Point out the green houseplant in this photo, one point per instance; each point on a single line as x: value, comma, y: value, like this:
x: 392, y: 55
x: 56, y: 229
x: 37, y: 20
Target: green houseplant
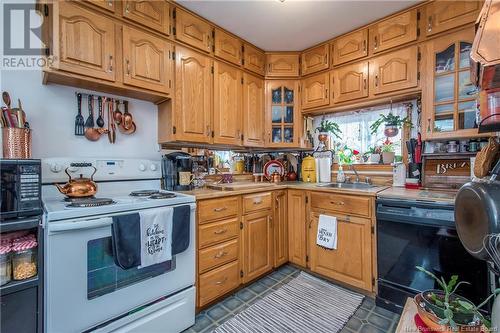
x: 373, y: 154
x: 388, y: 152
x: 392, y: 124
x: 328, y: 127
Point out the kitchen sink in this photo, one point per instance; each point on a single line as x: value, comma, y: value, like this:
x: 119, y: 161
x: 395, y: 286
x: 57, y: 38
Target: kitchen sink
x: 350, y: 186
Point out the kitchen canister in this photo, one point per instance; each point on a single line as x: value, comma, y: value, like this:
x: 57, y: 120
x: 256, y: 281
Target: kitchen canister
x: 5, y: 263
x: 24, y: 257
x: 16, y: 143
x: 399, y: 174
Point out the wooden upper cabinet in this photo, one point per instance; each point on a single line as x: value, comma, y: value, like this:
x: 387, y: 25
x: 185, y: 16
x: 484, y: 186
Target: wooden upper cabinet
x: 147, y: 60
x: 280, y: 228
x: 193, y: 96
x: 297, y: 223
x: 151, y: 14
x: 351, y: 261
x: 253, y: 59
x: 445, y: 15
x: 84, y: 42
x: 395, y: 31
x: 193, y: 30
x: 227, y: 104
x: 282, y: 65
x: 315, y: 91
x: 350, y: 47
x: 394, y: 71
x: 227, y: 47
x: 315, y: 59
x: 253, y: 111
x: 108, y: 5
x: 350, y: 82
x: 257, y: 245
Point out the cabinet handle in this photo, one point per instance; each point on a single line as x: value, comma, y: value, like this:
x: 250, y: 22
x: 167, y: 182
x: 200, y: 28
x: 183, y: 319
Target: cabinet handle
x: 220, y: 254
x: 337, y: 203
x: 364, y: 84
x: 270, y: 221
x: 110, y: 68
x: 269, y: 67
x: 208, y: 130
x: 429, y: 24
x: 110, y: 3
x: 128, y: 66
x: 376, y: 80
x: 428, y: 125
x: 277, y: 203
x: 375, y: 44
x: 364, y: 45
x: 220, y: 209
x: 220, y: 231
x: 127, y: 8
x: 208, y: 42
x: 326, y: 59
x: 221, y: 281
x: 257, y: 202
x: 326, y: 92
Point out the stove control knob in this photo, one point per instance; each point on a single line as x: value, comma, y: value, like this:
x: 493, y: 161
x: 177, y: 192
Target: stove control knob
x: 55, y: 167
x: 153, y: 167
x: 142, y: 167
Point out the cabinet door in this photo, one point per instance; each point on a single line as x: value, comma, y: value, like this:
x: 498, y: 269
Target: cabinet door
x: 192, y: 30
x: 282, y: 65
x: 253, y: 59
x: 84, y: 42
x: 147, y: 61
x: 394, y: 71
x: 350, y: 82
x: 280, y: 228
x: 282, y: 113
x: 151, y: 14
x: 395, y: 31
x: 104, y: 4
x: 296, y: 202
x: 315, y: 91
x: 444, y: 15
x: 193, y: 96
x: 448, y: 96
x: 253, y: 111
x: 315, y: 59
x: 257, y: 245
x: 350, y: 47
x: 227, y: 104
x: 351, y: 261
x: 227, y: 47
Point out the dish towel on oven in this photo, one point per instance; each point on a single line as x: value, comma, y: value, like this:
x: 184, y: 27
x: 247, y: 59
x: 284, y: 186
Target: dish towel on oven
x: 327, y: 232
x: 145, y: 238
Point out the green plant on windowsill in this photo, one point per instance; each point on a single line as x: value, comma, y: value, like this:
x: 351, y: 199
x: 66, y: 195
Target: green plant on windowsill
x: 387, y: 147
x: 327, y: 126
x: 392, y: 123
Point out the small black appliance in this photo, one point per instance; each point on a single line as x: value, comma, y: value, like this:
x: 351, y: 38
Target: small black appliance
x: 176, y: 170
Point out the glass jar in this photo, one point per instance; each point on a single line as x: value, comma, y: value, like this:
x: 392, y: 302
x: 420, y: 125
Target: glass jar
x: 5, y: 264
x: 24, y: 259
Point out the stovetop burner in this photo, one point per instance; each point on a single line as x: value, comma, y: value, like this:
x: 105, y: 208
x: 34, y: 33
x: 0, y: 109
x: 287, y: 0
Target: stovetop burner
x: 161, y: 195
x: 89, y: 202
x: 143, y: 193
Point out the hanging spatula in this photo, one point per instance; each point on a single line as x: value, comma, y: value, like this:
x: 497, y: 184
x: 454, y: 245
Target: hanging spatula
x: 79, y: 124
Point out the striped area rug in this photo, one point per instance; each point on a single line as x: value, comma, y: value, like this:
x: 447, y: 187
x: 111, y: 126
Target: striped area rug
x: 305, y: 304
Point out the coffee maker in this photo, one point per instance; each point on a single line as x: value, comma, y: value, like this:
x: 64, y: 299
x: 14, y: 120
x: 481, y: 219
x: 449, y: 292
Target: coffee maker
x: 177, y: 171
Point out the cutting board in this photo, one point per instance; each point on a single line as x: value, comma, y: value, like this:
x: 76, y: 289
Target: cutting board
x: 239, y: 186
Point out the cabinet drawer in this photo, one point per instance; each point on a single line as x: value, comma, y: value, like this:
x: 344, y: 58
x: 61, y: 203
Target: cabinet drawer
x: 218, y: 282
x: 255, y: 202
x: 347, y: 204
x: 216, y: 209
x: 217, y: 255
x: 217, y: 232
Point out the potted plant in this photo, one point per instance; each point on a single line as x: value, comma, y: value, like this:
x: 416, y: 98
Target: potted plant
x: 443, y: 310
x: 345, y: 156
x: 392, y: 124
x: 325, y: 128
x: 388, y: 152
x: 373, y: 154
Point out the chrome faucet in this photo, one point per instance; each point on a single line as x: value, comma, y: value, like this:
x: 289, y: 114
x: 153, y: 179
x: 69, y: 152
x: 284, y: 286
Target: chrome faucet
x: 355, y: 172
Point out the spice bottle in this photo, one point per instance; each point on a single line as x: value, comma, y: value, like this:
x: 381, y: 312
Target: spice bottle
x: 24, y: 257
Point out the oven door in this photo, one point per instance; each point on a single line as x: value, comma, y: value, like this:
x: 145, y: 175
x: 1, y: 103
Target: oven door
x: 84, y: 288
x: 403, y: 243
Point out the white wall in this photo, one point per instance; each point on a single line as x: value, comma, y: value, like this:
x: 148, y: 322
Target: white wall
x: 51, y: 111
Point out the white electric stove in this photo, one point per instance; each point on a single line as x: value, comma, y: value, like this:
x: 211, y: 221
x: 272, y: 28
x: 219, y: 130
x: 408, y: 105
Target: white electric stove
x: 80, y: 274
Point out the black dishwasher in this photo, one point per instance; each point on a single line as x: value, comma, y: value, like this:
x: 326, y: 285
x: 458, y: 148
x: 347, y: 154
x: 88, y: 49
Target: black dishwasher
x: 420, y: 233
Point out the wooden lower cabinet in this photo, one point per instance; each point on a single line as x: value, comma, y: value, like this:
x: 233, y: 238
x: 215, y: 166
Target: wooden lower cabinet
x: 351, y: 262
x: 297, y: 216
x: 217, y: 282
x: 280, y: 228
x: 217, y: 255
x: 257, y: 245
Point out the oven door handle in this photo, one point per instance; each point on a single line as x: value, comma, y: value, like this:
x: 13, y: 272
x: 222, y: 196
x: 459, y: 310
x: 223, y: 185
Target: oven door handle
x: 80, y: 225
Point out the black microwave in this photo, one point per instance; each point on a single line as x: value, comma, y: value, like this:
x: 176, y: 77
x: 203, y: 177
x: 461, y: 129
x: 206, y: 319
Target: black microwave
x: 20, y: 188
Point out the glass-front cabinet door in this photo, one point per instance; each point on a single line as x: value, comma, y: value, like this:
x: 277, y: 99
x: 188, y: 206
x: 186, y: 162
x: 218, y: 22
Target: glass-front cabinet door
x: 283, y: 117
x: 449, y: 95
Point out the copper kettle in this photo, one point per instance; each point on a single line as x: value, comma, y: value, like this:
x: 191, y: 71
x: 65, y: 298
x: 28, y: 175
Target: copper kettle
x: 79, y: 187
x: 275, y: 177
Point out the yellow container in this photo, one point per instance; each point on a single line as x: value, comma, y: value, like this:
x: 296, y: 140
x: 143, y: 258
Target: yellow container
x: 308, y: 169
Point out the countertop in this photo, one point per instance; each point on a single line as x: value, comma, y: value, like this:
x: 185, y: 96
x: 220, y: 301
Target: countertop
x: 421, y: 194
x: 207, y: 193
